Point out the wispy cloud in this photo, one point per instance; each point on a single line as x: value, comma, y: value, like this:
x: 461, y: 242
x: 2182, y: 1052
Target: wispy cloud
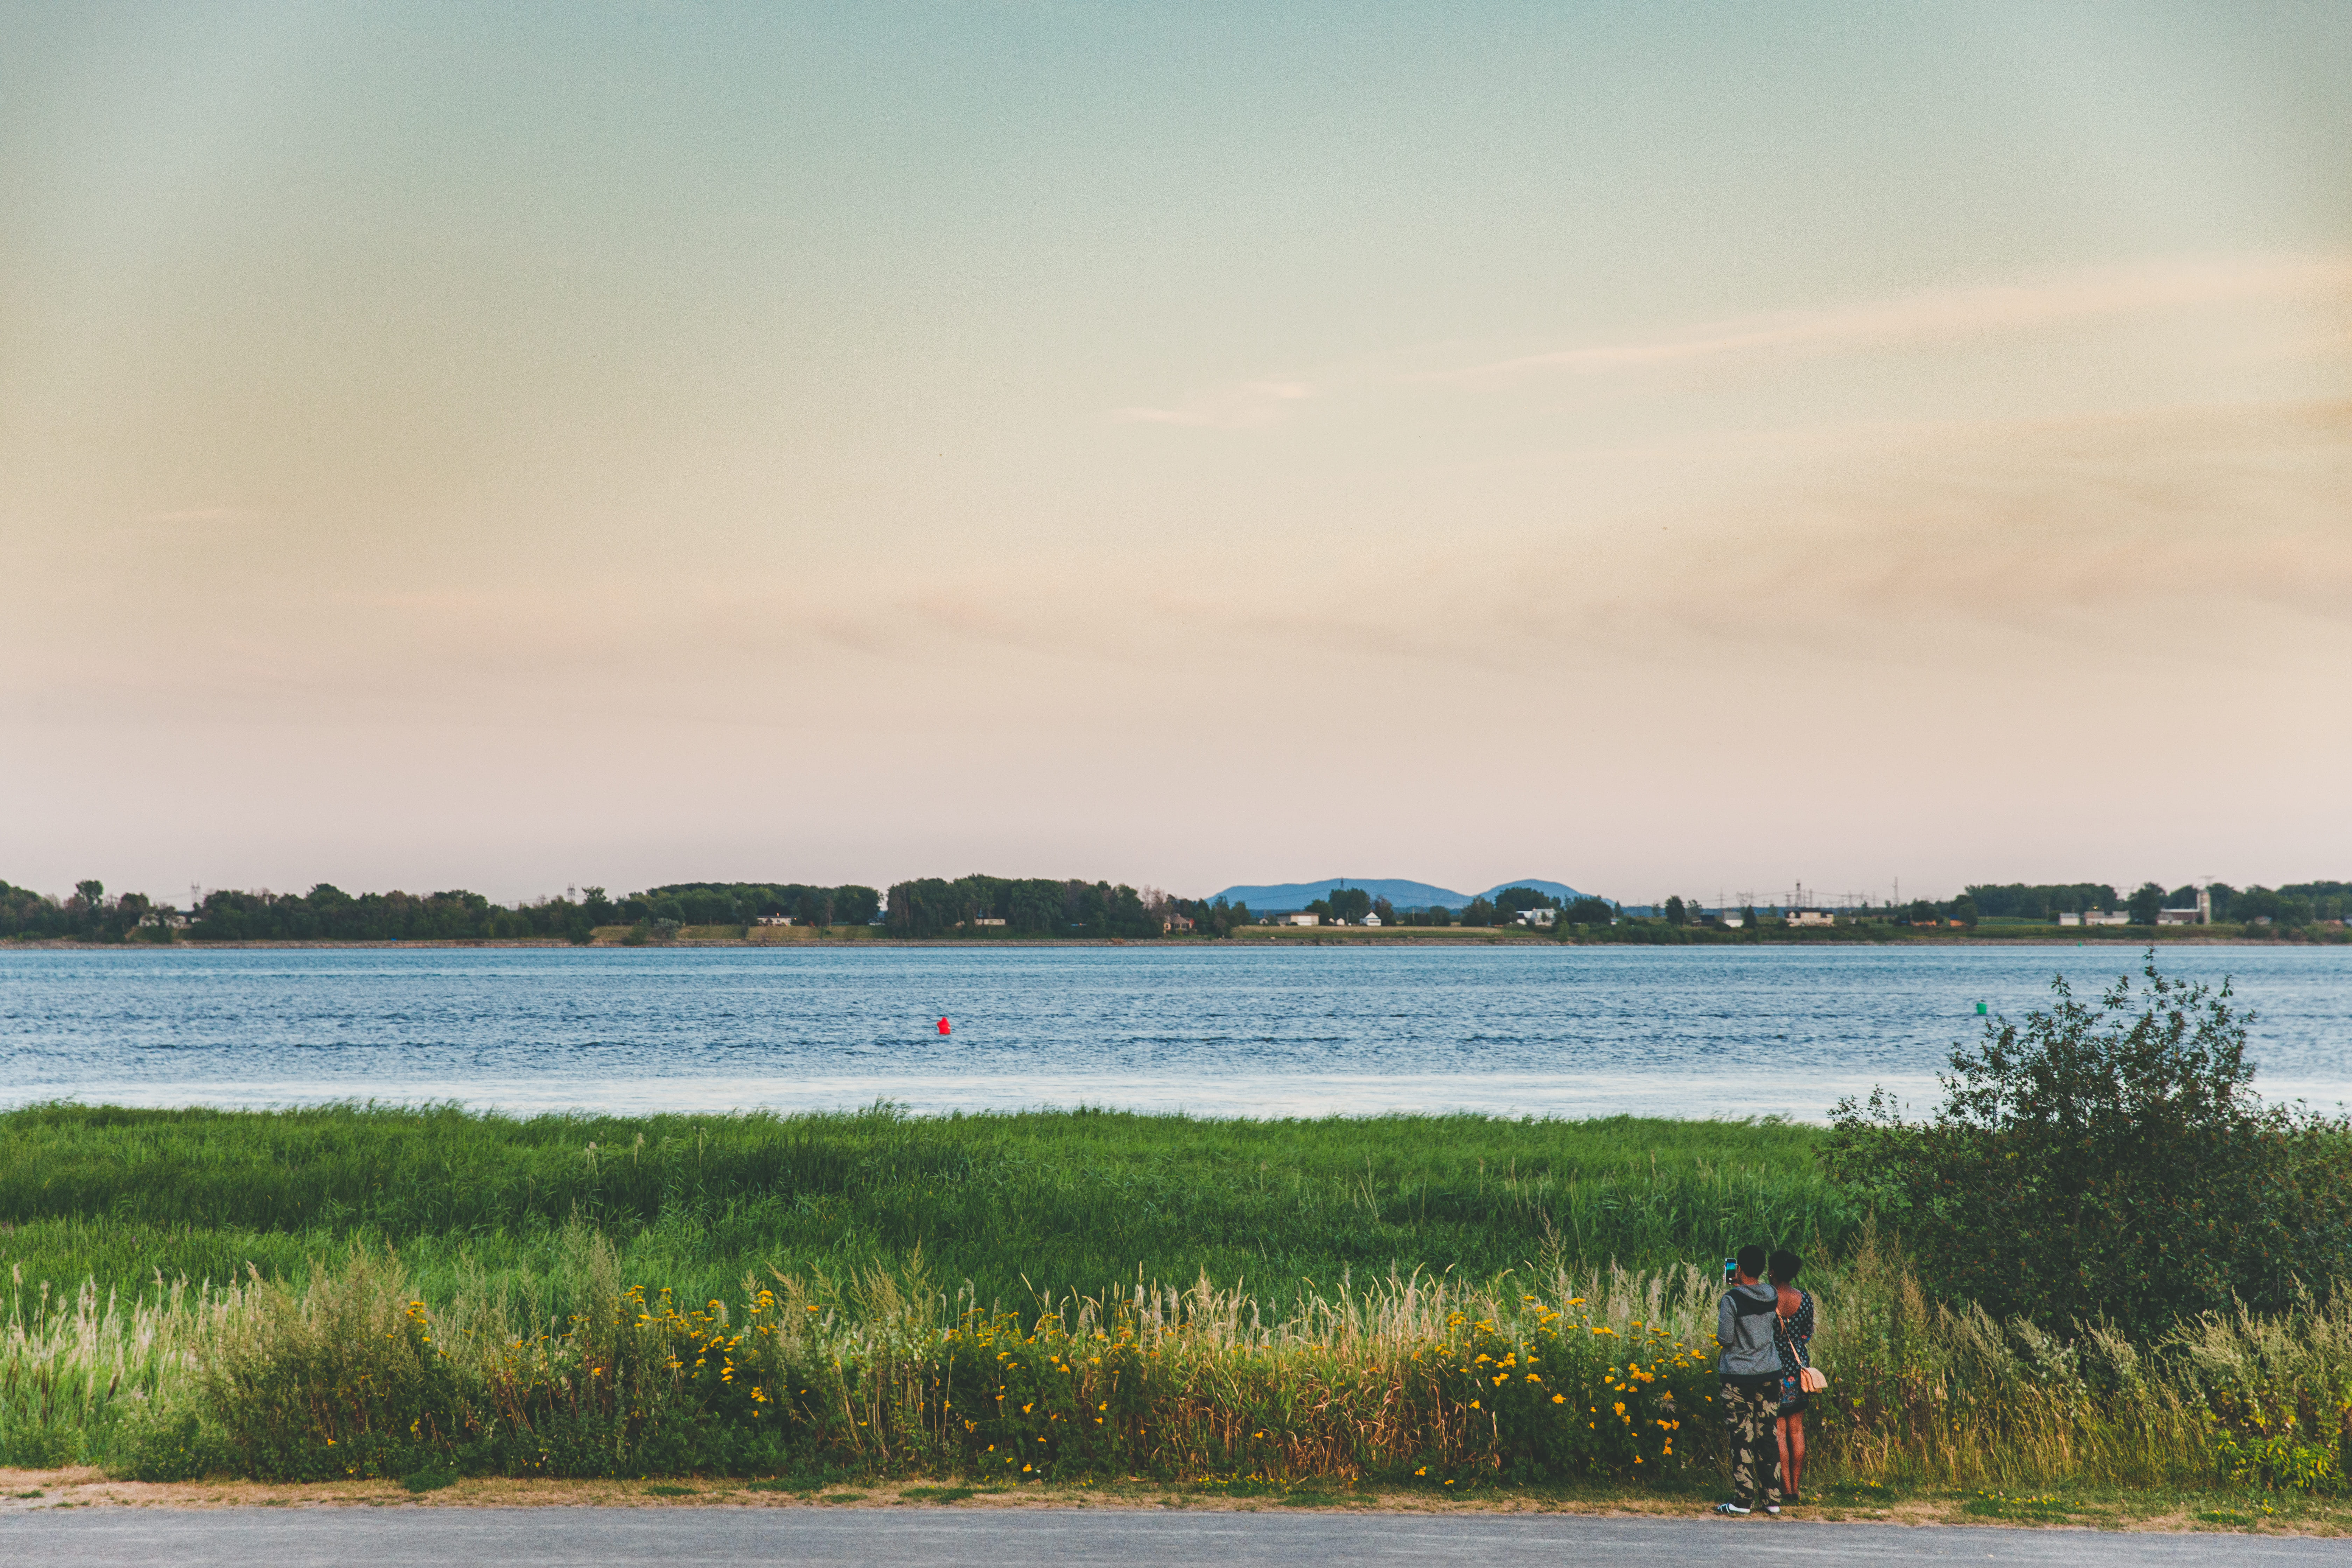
x: 1921, y: 319
x: 1246, y: 407
x: 1945, y: 315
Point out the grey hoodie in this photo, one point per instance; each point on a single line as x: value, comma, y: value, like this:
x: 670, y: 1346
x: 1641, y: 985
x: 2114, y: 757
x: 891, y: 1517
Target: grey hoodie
x: 1743, y: 1326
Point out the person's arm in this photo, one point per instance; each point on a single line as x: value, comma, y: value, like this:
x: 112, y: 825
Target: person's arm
x: 1727, y: 1323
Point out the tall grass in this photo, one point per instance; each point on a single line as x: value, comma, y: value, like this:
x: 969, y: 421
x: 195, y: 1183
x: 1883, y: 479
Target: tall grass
x: 357, y: 1291
x: 1407, y: 1380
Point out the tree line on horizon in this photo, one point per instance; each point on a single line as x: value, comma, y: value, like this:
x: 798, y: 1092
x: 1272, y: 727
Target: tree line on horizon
x: 930, y: 907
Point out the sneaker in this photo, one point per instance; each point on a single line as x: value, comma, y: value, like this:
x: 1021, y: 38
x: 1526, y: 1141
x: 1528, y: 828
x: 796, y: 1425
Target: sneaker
x: 1732, y: 1508
x: 1772, y: 1508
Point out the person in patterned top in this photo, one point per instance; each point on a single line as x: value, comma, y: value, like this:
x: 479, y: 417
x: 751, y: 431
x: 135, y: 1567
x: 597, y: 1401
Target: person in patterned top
x: 1792, y: 1333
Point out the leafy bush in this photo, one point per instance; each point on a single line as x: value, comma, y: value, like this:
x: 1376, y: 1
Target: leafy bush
x: 2108, y: 1161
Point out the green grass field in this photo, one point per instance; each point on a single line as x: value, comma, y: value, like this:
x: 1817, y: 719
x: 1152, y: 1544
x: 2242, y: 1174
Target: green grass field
x: 1015, y: 1204
x: 1425, y: 1302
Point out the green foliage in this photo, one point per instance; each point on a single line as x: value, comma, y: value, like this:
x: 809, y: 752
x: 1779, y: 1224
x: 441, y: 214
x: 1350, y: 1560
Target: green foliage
x: 929, y: 907
x: 2145, y: 904
x: 87, y: 916
x: 2039, y: 901
x: 741, y: 903
x: 1510, y: 901
x: 327, y: 914
x: 1214, y: 917
x: 1048, y: 1200
x: 2108, y: 1161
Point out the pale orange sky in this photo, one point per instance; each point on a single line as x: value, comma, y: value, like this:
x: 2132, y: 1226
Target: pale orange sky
x: 1669, y: 449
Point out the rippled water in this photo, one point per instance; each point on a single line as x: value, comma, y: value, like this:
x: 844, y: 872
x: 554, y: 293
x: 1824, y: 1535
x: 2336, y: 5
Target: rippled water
x: 1306, y: 1031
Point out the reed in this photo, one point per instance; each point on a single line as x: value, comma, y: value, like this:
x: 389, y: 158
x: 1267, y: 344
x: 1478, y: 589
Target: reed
x: 1408, y: 1381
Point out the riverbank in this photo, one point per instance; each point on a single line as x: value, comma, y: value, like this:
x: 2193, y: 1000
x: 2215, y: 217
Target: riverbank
x: 606, y: 937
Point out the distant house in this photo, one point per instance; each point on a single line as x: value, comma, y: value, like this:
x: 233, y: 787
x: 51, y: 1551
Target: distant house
x: 1733, y: 923
x: 2201, y: 914
x: 2106, y: 917
x: 988, y: 921
x: 1811, y: 917
x: 1539, y: 917
x: 1303, y: 920
x: 2070, y: 917
x: 1371, y: 920
x: 1176, y: 923
x: 775, y: 920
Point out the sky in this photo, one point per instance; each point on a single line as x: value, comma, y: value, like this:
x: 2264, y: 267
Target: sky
x: 1662, y: 448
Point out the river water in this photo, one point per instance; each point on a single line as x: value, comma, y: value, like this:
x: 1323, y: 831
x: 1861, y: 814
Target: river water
x: 1213, y: 1031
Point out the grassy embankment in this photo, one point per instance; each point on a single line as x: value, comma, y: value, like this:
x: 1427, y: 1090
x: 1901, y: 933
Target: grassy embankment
x: 1425, y: 1303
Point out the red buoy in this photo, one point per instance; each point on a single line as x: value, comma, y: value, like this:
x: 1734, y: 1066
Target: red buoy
x: 943, y: 1025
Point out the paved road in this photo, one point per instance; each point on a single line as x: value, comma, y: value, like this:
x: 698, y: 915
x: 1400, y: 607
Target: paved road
x: 809, y: 1537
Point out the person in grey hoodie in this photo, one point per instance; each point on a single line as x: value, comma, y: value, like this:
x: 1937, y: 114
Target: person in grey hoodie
x: 1749, y: 1365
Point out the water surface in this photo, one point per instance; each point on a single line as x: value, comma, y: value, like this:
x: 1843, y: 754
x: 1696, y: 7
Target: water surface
x: 1214, y: 1031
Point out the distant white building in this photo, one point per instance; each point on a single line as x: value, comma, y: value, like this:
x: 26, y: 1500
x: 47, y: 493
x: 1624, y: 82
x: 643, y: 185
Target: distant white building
x: 1811, y: 917
x: 2106, y: 917
x: 1542, y: 917
x: 1371, y: 920
x: 1733, y: 923
x: 1303, y: 919
x: 775, y: 920
x: 988, y: 921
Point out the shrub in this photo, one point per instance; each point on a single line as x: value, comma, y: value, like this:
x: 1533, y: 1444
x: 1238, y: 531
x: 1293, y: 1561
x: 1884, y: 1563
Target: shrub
x: 2108, y: 1161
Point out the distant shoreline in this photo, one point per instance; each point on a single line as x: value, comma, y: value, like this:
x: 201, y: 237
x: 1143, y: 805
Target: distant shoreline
x: 984, y: 944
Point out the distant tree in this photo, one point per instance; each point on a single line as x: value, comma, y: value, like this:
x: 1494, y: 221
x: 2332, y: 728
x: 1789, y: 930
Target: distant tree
x: 1675, y: 915
x: 1748, y: 916
x: 1964, y: 910
x: 1588, y: 912
x: 1439, y: 915
x: 1349, y: 905
x: 2040, y: 901
x: 91, y: 894
x: 1319, y: 908
x: 2145, y: 904
x: 1511, y: 901
x: 1386, y: 910
x: 1479, y: 913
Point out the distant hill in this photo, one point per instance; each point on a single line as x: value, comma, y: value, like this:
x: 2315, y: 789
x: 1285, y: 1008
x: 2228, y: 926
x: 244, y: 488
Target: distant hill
x: 1404, y: 895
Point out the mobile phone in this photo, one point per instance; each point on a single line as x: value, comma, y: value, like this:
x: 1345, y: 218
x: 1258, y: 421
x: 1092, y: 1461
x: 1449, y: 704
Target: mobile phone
x: 1730, y: 1269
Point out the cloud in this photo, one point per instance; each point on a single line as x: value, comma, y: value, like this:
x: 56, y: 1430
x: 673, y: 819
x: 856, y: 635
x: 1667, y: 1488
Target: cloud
x: 1948, y: 315
x: 1249, y: 405
x: 1920, y: 319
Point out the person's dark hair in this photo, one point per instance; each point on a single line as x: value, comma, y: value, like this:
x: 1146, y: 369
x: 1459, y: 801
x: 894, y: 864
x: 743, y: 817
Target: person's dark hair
x: 1785, y: 1265
x: 1751, y: 1261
